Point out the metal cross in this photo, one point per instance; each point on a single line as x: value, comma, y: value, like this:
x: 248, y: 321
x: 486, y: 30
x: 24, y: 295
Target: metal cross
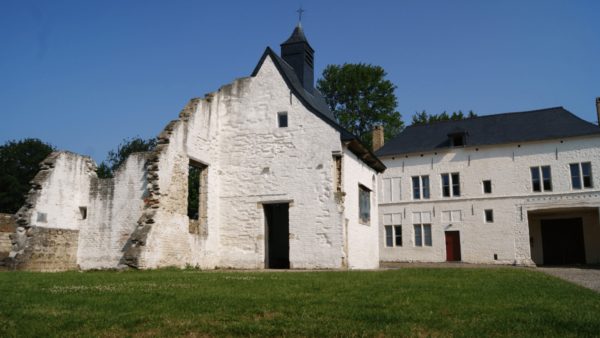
x: 300, y: 11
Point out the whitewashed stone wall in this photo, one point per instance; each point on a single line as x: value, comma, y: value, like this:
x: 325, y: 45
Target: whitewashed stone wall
x: 251, y: 161
x: 363, y: 248
x: 113, y: 209
x: 512, y: 197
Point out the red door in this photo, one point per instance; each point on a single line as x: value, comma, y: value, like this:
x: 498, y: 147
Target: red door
x: 452, y: 246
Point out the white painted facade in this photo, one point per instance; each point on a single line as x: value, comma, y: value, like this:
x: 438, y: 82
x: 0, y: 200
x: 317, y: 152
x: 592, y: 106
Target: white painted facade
x: 139, y: 218
x: 514, y: 236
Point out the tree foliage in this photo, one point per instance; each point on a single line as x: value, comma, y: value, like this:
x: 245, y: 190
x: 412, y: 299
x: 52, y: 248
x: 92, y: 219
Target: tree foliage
x: 115, y: 158
x: 19, y: 163
x: 423, y: 117
x: 360, y: 98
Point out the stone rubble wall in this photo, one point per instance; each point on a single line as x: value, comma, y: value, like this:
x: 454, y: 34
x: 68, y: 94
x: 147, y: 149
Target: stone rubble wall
x: 7, y: 227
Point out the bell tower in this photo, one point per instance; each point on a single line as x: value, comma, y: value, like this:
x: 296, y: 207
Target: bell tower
x: 299, y: 54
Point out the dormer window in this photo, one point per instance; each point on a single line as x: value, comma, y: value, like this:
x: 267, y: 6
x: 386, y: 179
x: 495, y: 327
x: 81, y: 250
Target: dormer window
x: 457, y: 138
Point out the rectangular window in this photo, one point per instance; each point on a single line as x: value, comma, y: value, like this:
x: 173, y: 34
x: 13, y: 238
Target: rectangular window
x: 575, y: 176
x: 489, y: 216
x: 586, y: 174
x: 389, y: 236
x: 487, y: 186
x: 197, y: 201
x: 398, y: 235
x: 364, y: 204
x: 420, y: 187
x: 393, y: 229
x: 418, y: 235
x: 451, y: 185
x: 422, y: 234
x: 455, y: 185
x: 581, y: 175
x: 427, y: 233
x: 282, y: 119
x: 416, y: 187
x: 541, y: 178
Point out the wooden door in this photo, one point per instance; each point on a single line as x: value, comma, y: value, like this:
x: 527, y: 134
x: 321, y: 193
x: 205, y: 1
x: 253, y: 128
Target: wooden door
x: 452, y: 246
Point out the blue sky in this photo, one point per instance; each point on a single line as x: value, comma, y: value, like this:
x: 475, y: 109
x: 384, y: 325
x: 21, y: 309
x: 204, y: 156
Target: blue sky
x: 83, y: 75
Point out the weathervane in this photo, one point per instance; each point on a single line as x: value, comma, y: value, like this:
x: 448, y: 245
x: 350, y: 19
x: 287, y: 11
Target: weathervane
x: 300, y: 11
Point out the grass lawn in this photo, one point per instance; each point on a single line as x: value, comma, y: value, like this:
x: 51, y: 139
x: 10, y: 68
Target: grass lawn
x: 407, y: 302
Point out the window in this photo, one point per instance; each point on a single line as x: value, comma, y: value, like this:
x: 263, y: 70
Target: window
x: 282, y: 119
x: 487, y: 187
x: 457, y: 140
x: 541, y: 178
x: 390, y: 190
x: 422, y: 234
x: 450, y: 185
x: 581, y: 175
x: 197, y: 196
x: 422, y: 228
x: 393, y: 229
x: 83, y: 212
x: 364, y: 204
x: 389, y: 236
x: 489, y: 215
x: 420, y: 187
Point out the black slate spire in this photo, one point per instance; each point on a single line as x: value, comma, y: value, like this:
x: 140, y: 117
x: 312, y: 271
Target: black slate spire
x: 299, y: 54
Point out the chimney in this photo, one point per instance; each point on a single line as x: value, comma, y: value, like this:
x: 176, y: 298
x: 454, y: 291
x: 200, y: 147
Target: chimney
x: 598, y: 109
x: 378, y: 138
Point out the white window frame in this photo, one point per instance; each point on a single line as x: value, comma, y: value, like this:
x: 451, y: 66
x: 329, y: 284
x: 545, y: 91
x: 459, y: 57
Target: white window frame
x: 392, y: 221
x: 424, y: 229
x: 540, y: 172
x: 451, y: 184
x: 367, y: 220
x: 420, y: 187
x: 580, y: 176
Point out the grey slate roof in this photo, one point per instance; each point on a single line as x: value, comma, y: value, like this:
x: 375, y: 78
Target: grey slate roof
x: 297, y: 36
x: 535, y: 125
x: 315, y: 102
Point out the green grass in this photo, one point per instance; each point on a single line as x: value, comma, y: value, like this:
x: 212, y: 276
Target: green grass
x: 407, y: 302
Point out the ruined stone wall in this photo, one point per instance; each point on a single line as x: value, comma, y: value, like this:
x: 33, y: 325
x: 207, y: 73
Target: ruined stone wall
x: 71, y: 219
x: 7, y: 227
x: 113, y: 209
x: 46, y: 237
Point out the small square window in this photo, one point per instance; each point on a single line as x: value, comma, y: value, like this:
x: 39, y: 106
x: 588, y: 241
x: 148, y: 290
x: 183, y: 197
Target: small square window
x: 83, y: 212
x: 489, y: 216
x: 487, y: 187
x: 282, y: 119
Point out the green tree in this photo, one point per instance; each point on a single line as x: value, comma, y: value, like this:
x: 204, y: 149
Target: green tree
x: 115, y: 158
x: 423, y: 117
x: 360, y: 98
x: 19, y: 163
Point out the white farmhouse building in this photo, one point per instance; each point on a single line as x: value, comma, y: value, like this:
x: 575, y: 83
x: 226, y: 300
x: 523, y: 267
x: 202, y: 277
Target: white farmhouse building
x: 280, y: 185
x: 515, y: 188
